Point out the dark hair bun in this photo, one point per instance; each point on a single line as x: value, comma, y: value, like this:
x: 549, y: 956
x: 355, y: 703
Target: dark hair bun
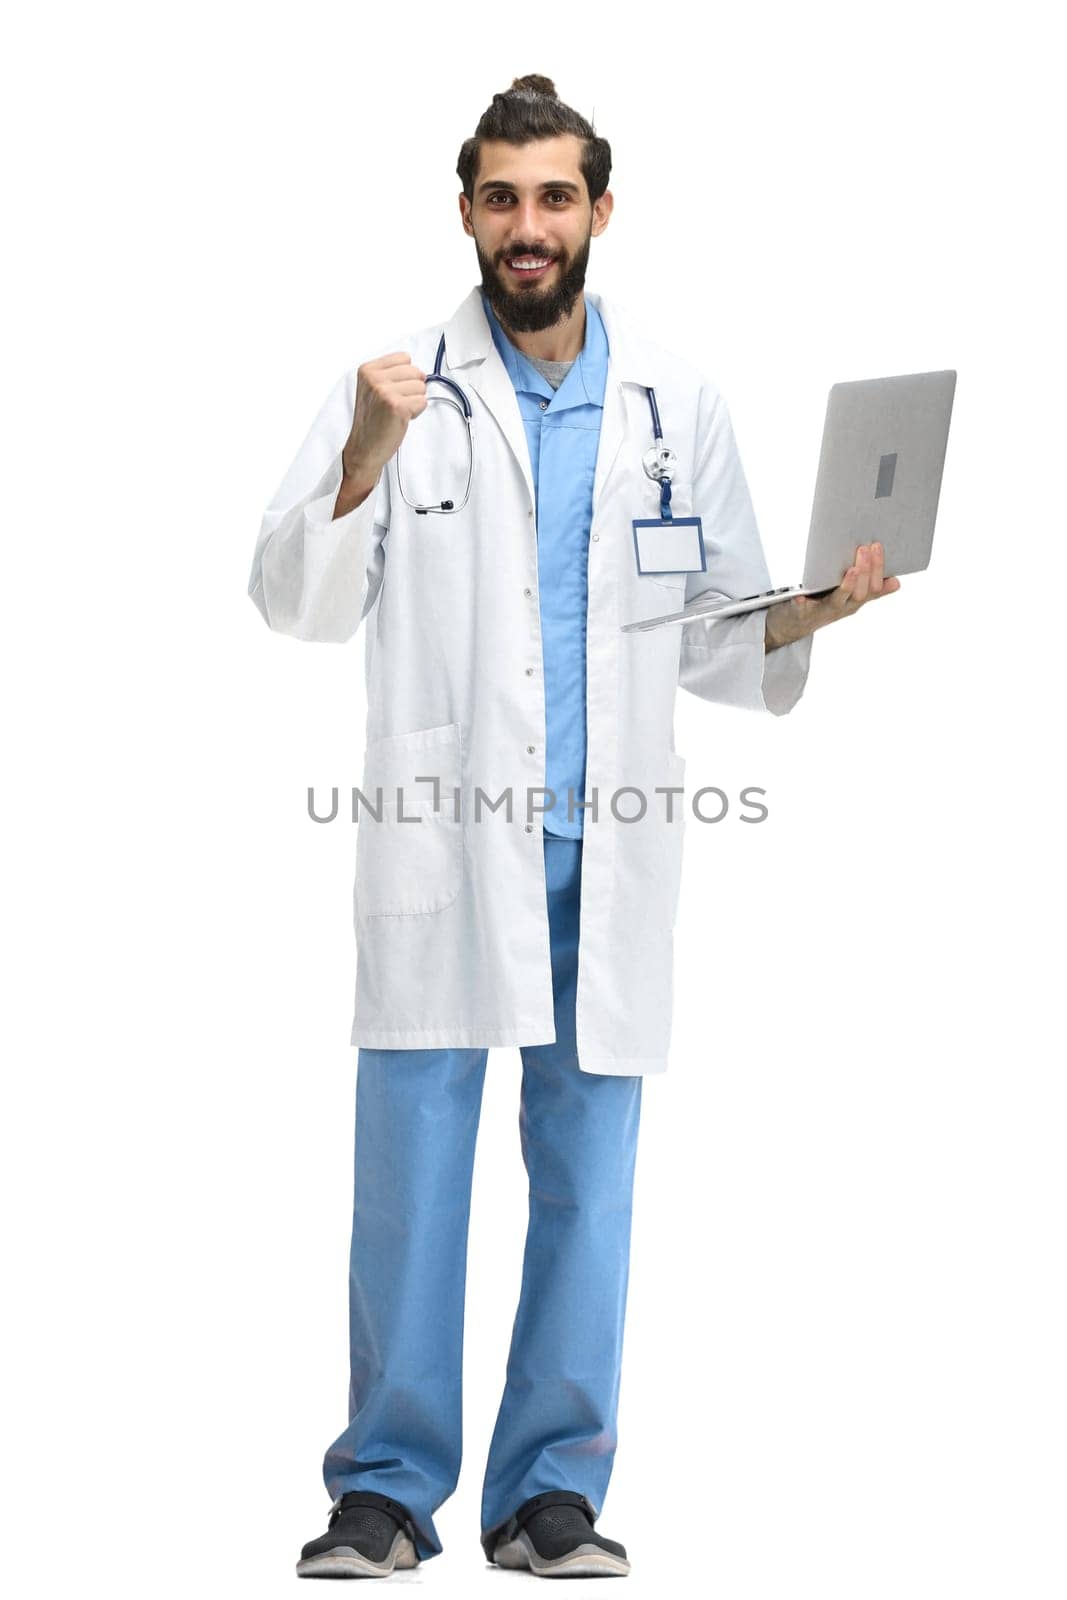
x: 535, y: 84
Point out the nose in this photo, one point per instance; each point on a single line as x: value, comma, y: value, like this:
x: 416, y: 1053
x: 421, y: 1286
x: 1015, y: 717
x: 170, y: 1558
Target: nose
x: 526, y: 222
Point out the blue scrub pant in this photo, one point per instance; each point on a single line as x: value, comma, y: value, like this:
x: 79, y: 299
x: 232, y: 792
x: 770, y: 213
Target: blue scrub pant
x: 417, y: 1117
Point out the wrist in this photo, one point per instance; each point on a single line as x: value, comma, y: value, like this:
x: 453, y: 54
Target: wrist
x: 780, y: 630
x: 357, y: 485
x: 771, y: 637
x: 355, y: 470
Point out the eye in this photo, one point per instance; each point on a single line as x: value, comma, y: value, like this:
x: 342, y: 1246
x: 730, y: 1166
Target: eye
x: 502, y: 194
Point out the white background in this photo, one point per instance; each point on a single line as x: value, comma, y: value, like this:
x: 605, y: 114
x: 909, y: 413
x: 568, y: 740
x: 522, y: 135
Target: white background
x: 844, y: 1364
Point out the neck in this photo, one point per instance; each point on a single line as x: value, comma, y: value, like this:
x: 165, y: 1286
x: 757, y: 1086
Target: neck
x: 562, y: 342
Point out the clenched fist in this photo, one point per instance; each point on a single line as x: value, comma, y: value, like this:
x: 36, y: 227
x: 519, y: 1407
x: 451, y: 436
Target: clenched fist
x: 390, y: 391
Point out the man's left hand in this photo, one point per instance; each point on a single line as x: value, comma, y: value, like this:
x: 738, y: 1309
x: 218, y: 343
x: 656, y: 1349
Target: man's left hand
x: 796, y: 618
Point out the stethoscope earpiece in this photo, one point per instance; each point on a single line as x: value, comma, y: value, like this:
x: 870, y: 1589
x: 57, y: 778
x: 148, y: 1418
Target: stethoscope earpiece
x: 458, y: 399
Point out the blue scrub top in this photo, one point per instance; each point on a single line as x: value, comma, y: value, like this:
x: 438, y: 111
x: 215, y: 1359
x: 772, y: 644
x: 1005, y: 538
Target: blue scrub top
x: 563, y: 433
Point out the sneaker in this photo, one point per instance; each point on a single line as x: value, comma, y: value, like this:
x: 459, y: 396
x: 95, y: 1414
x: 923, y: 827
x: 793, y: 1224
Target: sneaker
x: 552, y: 1536
x: 368, y: 1536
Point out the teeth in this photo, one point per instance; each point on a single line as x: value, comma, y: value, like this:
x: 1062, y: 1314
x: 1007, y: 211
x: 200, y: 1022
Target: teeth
x: 530, y: 262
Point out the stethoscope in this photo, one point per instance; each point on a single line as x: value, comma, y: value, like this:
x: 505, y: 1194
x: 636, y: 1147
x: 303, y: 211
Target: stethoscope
x: 658, y: 461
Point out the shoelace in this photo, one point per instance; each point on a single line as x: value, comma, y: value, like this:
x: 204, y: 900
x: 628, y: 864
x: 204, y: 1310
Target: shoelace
x: 337, y: 1510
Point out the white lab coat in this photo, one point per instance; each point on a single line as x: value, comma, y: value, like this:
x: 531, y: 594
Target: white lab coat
x: 452, y: 939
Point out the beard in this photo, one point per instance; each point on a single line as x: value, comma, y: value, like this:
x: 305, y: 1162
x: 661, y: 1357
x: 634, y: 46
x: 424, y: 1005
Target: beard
x: 529, y: 309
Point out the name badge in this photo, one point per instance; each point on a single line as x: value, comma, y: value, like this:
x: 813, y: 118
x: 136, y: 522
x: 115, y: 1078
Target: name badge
x: 674, y: 546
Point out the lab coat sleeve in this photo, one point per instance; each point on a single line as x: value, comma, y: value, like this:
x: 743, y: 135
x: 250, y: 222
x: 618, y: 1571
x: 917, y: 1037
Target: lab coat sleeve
x: 312, y: 576
x: 725, y: 661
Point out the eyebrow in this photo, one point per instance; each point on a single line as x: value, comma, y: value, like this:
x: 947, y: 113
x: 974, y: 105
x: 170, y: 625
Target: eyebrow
x: 502, y: 183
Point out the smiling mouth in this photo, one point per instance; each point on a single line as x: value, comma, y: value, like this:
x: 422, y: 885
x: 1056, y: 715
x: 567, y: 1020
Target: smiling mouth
x: 518, y: 267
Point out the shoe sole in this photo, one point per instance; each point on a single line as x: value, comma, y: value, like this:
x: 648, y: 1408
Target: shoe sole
x: 345, y: 1562
x: 586, y: 1561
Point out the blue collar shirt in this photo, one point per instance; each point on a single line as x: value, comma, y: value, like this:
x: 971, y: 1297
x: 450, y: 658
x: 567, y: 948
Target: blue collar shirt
x: 563, y: 433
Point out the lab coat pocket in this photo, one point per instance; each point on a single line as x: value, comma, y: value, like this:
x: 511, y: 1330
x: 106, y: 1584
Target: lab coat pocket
x: 409, y: 860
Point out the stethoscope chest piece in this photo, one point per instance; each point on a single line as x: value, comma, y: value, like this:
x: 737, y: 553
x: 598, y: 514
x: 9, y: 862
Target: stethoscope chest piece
x: 659, y: 461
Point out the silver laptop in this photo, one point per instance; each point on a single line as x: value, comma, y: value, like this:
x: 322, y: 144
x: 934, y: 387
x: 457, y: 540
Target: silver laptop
x: 879, y: 478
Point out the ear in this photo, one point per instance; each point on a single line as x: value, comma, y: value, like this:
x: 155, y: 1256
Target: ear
x: 602, y: 210
x: 465, y: 213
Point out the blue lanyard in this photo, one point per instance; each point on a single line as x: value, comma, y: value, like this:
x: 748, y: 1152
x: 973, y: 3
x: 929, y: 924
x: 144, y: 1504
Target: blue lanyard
x: 664, y: 481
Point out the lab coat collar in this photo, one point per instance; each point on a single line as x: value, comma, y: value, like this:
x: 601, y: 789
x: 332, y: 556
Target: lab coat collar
x: 583, y: 384
x: 472, y: 355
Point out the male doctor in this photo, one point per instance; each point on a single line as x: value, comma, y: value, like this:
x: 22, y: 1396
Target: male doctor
x: 522, y: 786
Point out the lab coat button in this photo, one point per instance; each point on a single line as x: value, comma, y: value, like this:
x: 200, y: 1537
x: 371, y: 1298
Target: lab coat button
x: 530, y: 749
x: 596, y: 536
x: 529, y: 827
x: 529, y: 672
x: 527, y: 593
